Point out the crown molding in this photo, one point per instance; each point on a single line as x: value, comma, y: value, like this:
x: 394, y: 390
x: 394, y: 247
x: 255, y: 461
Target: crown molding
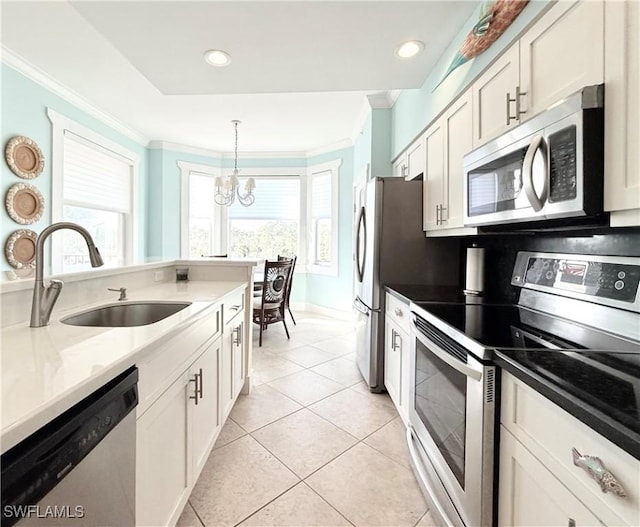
x: 185, y: 149
x: 266, y: 155
x: 380, y: 100
x: 332, y: 147
x: 37, y: 75
x: 393, y: 96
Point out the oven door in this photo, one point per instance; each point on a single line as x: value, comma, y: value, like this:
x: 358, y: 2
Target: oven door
x: 451, y: 432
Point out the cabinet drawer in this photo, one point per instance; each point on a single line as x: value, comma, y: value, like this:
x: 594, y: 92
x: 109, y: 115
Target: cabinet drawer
x: 232, y: 306
x: 167, y: 360
x: 550, y: 433
x: 398, y: 312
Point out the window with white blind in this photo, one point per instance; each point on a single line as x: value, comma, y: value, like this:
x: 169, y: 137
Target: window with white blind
x: 94, y: 182
x: 271, y: 226
x: 323, y: 218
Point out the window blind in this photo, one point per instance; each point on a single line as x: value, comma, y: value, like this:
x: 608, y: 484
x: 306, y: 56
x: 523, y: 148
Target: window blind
x: 94, y: 176
x: 276, y: 199
x: 321, y: 195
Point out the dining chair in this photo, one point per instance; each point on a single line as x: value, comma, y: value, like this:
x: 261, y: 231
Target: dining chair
x: 287, y: 295
x: 269, y: 308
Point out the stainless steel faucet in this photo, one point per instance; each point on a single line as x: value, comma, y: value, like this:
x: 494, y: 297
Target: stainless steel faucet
x: 44, y: 298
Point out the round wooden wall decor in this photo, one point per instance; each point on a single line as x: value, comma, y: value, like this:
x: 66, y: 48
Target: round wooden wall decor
x: 20, y: 249
x: 25, y: 203
x: 24, y: 157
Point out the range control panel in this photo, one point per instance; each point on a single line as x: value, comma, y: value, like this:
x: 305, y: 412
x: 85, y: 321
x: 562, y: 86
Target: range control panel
x: 600, y: 279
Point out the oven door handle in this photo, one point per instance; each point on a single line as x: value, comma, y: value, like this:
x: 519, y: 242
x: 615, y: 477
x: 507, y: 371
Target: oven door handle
x: 537, y: 202
x: 456, y: 364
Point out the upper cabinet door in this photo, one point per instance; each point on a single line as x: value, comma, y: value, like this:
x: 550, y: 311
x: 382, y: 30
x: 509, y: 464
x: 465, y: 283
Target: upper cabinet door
x: 434, y: 176
x: 561, y: 53
x: 458, y: 144
x: 490, y: 94
x: 416, y: 159
x: 622, y: 107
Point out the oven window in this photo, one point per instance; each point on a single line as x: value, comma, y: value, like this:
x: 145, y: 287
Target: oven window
x: 441, y: 403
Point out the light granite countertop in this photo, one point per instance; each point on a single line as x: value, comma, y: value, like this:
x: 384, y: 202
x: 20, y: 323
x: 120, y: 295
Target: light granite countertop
x: 47, y: 370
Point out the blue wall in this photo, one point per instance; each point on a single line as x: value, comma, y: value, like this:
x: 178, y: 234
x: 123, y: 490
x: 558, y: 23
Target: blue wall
x: 415, y: 109
x: 335, y: 292
x: 24, y: 106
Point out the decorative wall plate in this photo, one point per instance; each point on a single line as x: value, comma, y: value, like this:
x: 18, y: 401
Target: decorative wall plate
x: 21, y: 249
x: 25, y: 203
x: 24, y: 157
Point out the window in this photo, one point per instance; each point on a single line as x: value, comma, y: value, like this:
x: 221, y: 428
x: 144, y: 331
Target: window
x: 271, y: 226
x: 323, y: 218
x: 94, y: 185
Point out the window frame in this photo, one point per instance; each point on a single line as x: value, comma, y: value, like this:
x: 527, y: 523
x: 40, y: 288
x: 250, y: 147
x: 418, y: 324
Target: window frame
x: 59, y: 125
x: 218, y: 241
x: 317, y: 170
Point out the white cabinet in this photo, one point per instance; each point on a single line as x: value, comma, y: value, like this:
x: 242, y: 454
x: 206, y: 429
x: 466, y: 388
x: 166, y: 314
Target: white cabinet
x: 447, y: 142
x: 233, y: 363
x: 558, y: 55
x: 162, y: 456
x: 491, y: 93
x: 399, y: 168
x: 539, y: 483
x: 396, y: 354
x: 622, y: 108
x: 205, y: 417
x: 531, y: 495
x: 174, y: 438
x: 411, y: 163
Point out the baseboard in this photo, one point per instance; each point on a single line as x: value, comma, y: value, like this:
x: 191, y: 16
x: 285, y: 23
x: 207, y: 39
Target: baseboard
x: 324, y: 311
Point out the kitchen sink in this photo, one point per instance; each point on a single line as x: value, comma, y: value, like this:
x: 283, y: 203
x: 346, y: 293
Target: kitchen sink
x: 128, y: 314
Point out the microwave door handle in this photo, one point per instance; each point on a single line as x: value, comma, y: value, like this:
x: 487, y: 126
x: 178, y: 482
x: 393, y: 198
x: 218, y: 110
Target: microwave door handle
x: 536, y: 201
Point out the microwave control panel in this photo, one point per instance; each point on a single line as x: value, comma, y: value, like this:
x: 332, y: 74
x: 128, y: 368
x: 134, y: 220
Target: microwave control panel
x: 562, y: 170
x: 598, y: 277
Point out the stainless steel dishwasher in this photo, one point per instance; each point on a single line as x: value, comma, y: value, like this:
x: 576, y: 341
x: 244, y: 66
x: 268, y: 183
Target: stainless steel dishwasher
x: 80, y: 468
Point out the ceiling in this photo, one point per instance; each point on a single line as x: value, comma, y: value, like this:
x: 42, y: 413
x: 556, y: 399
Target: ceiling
x: 298, y: 74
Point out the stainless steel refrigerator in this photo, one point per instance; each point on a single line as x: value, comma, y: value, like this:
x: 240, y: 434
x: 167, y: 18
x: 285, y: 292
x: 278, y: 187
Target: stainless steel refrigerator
x: 390, y: 247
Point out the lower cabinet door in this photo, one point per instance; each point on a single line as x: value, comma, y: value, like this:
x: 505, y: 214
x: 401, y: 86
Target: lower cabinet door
x: 162, y: 456
x: 530, y: 494
x: 396, y: 367
x: 204, y: 416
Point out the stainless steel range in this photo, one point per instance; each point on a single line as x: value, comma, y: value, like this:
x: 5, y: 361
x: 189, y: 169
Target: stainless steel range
x: 570, y: 306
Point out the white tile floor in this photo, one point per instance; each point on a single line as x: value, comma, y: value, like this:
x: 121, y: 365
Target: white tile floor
x: 310, y: 446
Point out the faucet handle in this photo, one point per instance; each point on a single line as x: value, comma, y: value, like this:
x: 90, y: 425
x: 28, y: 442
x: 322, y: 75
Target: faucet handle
x: 121, y: 290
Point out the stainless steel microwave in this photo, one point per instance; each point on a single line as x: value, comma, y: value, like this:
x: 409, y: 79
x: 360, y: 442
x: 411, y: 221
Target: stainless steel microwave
x: 551, y: 166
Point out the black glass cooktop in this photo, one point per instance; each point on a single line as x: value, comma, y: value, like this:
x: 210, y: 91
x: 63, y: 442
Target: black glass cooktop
x: 512, y: 326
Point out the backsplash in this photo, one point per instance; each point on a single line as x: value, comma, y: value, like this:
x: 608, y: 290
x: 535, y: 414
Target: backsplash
x: 501, y: 252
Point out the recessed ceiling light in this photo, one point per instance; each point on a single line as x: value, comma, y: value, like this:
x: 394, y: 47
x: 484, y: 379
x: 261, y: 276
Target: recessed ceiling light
x: 409, y: 49
x: 217, y: 57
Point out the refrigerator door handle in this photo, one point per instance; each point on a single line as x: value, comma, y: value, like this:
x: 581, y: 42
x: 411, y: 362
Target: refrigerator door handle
x: 357, y: 303
x: 369, y: 308
x: 362, y: 228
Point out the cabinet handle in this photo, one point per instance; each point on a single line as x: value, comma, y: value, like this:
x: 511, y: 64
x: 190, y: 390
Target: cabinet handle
x: 200, y: 383
x: 398, y: 312
x: 195, y: 390
x: 238, y: 339
x: 394, y: 345
x: 509, y: 116
x: 235, y: 308
x: 405, y: 170
x: 437, y: 214
x: 594, y: 466
x: 519, y: 95
x: 442, y: 218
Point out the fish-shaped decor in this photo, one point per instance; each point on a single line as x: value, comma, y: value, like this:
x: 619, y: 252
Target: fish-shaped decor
x: 495, y: 17
x: 595, y: 468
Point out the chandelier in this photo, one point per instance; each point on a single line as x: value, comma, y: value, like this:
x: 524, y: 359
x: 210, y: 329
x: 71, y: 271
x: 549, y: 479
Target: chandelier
x: 228, y: 188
